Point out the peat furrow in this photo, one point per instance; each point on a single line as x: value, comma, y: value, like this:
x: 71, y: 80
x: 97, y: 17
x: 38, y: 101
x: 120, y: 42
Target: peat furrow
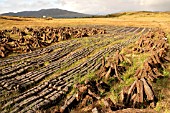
x: 119, y: 29
x: 6, y: 69
x: 72, y: 58
x: 81, y: 69
x: 64, y: 62
x: 128, y: 29
x: 35, y: 53
x: 47, y: 57
x: 123, y: 30
x: 51, y: 100
x: 12, y: 68
x: 133, y: 30
x: 42, y: 51
x: 139, y: 30
x: 29, y: 100
x: 36, y: 62
x: 33, y: 98
x: 24, y: 95
x: 90, y: 62
x: 146, y: 30
x: 111, y: 29
x: 37, y: 99
x: 30, y: 78
x: 16, y: 72
x: 85, y: 67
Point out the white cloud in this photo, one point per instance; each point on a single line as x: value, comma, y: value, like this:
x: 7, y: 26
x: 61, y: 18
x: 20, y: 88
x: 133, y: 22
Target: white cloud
x: 85, y: 6
x: 24, y: 5
x: 147, y: 2
x: 153, y: 2
x: 99, y: 6
x: 155, y: 5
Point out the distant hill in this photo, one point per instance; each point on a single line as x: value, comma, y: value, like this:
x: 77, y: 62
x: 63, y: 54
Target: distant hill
x: 55, y: 13
x: 135, y: 13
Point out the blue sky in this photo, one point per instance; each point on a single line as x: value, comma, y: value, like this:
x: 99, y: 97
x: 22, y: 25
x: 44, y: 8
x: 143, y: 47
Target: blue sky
x: 85, y: 6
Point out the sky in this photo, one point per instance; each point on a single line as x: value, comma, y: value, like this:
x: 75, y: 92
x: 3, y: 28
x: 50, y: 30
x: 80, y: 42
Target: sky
x: 85, y: 6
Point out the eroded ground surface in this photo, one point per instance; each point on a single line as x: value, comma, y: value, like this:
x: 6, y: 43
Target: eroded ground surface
x: 45, y: 78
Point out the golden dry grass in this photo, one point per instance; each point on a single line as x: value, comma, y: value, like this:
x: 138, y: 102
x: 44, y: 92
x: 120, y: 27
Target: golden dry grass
x: 141, y: 19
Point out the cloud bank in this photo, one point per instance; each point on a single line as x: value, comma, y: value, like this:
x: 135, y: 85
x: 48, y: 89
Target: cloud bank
x: 86, y: 6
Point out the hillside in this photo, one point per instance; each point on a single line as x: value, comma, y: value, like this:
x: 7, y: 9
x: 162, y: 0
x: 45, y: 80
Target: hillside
x: 133, y: 13
x: 138, y: 19
x: 55, y: 13
x: 81, y: 65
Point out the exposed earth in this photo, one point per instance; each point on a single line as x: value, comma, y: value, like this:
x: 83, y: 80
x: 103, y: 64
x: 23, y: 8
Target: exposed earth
x: 85, y: 67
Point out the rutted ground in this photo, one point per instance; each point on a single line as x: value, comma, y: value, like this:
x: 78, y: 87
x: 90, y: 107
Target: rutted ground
x: 28, y: 81
x: 91, y: 93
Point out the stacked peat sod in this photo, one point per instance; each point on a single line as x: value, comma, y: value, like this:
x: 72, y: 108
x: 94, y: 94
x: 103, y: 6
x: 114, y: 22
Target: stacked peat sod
x: 56, y: 95
x: 113, y: 67
x: 141, y: 93
x: 86, y: 94
x: 29, y: 39
x: 89, y: 92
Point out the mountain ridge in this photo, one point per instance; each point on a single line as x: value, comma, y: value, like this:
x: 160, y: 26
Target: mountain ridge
x: 53, y: 12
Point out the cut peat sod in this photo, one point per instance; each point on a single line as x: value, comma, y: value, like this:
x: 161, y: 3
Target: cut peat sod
x: 140, y: 94
x: 78, y: 73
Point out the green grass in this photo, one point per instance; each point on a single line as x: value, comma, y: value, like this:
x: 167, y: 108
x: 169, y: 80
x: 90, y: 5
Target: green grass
x: 89, y: 76
x: 46, y: 63
x: 168, y: 36
x: 161, y: 88
x: 117, y: 87
x: 128, y: 76
x: 83, y: 59
x: 166, y: 73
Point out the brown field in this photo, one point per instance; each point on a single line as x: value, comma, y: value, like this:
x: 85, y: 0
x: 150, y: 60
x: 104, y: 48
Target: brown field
x: 140, y: 20
x: 81, y: 65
